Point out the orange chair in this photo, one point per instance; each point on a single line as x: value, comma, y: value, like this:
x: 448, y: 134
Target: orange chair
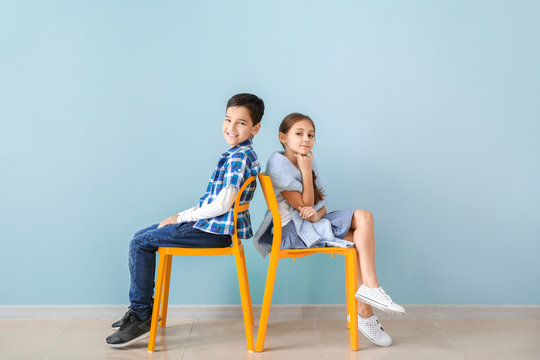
x: 161, y: 292
x: 277, y: 253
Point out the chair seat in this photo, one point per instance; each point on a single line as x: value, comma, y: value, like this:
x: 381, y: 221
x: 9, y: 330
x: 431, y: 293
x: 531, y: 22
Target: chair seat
x: 291, y: 253
x: 196, y: 251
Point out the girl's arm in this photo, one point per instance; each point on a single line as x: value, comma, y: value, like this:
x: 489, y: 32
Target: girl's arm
x: 321, y: 212
x: 295, y: 199
x: 310, y: 214
x: 305, y: 164
x: 307, y: 197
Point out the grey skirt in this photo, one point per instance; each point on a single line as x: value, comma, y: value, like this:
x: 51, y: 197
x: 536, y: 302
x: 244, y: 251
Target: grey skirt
x: 341, y: 224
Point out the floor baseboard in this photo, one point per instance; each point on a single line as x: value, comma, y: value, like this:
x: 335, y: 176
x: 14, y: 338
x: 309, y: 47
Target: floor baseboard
x: 278, y: 312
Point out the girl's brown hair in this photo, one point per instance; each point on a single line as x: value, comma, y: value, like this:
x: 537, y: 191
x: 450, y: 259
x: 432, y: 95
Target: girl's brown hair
x: 284, y: 128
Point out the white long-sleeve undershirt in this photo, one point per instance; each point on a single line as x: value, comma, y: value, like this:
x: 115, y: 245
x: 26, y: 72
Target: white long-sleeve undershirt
x: 219, y: 206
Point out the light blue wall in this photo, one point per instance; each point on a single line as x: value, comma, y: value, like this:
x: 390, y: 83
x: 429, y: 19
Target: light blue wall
x: 427, y: 114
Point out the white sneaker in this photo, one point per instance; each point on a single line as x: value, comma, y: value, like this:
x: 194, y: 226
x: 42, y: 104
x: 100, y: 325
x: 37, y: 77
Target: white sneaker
x: 376, y: 297
x: 372, y: 329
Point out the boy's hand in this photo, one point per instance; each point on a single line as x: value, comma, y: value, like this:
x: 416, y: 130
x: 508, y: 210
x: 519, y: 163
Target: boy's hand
x: 305, y: 162
x: 309, y: 213
x: 169, y: 221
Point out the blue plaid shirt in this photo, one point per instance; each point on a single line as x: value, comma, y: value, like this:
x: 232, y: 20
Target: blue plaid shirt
x: 234, y: 167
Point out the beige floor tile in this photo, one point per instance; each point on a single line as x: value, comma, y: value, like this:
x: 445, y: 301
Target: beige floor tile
x: 492, y: 355
x: 217, y: 339
x: 509, y: 339
x: 417, y: 334
x: 86, y: 340
x: 406, y: 335
x: 281, y: 354
x: 28, y: 339
x: 285, y: 339
x: 226, y: 340
x: 293, y: 335
x: 486, y: 354
x: 392, y: 353
x: 414, y: 339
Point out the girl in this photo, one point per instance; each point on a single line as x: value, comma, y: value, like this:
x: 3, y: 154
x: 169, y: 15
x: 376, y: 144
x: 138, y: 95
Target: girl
x: 305, y: 222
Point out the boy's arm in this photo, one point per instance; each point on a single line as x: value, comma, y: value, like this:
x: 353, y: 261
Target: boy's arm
x: 221, y: 204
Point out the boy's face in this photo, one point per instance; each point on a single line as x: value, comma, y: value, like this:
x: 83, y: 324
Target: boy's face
x: 238, y: 126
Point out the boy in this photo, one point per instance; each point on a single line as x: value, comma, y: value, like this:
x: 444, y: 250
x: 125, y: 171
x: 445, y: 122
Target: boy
x: 209, y: 224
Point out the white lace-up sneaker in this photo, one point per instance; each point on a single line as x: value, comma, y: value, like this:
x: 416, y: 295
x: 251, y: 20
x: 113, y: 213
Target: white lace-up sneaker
x: 372, y: 329
x: 376, y: 297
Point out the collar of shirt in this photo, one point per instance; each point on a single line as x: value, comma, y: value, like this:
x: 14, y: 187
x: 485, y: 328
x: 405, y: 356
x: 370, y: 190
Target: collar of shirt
x: 245, y: 143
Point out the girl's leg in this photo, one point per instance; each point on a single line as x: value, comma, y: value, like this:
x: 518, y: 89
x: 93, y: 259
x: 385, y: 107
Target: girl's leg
x: 364, y: 240
x: 364, y: 309
x: 362, y: 234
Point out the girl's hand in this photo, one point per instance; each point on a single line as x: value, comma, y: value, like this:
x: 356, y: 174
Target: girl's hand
x: 169, y: 221
x: 305, y: 162
x: 309, y: 213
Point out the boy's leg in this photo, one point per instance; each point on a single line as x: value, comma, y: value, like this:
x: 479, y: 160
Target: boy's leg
x: 142, y: 258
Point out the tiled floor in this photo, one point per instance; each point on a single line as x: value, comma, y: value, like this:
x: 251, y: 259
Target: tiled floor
x: 295, y: 339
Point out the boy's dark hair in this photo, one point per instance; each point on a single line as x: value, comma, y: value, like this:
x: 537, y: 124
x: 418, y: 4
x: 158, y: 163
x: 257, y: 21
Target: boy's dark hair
x: 254, y: 104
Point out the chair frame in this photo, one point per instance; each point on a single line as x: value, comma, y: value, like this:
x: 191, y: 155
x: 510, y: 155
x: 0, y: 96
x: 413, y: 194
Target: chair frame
x: 277, y: 254
x: 161, y: 292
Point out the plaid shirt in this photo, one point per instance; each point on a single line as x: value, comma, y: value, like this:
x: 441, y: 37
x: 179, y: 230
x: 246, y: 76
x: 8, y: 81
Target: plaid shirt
x: 234, y: 167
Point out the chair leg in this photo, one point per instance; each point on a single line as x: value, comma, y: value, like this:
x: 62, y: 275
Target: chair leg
x: 248, y: 292
x: 267, y: 301
x: 244, y: 296
x: 347, y: 290
x: 157, y: 302
x: 166, y: 285
x: 353, y: 307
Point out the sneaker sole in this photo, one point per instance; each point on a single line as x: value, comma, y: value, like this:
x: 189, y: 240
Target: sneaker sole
x: 378, y: 305
x: 143, y: 336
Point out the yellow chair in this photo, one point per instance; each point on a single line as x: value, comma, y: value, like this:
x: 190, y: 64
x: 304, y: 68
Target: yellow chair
x: 277, y: 253
x: 161, y: 292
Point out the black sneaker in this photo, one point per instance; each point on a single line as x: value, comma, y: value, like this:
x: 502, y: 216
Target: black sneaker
x: 119, y: 323
x: 132, y: 330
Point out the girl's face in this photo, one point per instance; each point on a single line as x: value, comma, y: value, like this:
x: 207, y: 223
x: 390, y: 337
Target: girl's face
x: 300, y: 138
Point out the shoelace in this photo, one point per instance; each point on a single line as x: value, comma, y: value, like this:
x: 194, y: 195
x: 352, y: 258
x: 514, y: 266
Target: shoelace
x: 386, y: 295
x: 131, y: 318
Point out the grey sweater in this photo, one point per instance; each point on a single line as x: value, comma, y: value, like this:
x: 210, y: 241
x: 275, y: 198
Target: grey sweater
x: 287, y: 177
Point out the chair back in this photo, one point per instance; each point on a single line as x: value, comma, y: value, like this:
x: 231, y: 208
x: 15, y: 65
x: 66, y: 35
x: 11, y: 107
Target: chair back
x: 271, y: 202
x: 240, y: 205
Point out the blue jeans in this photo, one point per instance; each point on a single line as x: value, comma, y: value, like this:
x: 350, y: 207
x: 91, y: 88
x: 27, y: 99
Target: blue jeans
x: 142, y: 258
